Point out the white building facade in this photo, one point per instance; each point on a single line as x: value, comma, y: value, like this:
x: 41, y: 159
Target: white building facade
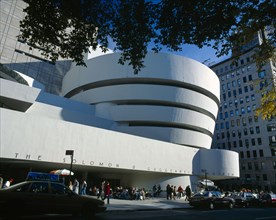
x: 155, y: 127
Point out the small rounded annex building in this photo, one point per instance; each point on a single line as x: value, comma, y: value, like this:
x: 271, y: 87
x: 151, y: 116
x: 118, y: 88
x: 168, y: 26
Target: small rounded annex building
x: 154, y: 127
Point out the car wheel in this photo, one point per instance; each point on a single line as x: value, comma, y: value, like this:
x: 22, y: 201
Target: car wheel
x: 88, y: 212
x: 211, y: 206
x: 231, y: 205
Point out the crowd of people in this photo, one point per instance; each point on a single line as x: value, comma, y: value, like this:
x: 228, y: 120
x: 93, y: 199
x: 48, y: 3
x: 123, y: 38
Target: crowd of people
x: 173, y: 192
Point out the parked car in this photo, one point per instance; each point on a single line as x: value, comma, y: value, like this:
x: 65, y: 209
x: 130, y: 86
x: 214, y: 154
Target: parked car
x: 244, y: 199
x: 211, y: 200
x: 46, y: 197
x: 268, y: 199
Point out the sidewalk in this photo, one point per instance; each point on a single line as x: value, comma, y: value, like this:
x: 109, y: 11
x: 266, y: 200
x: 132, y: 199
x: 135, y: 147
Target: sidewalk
x: 148, y: 204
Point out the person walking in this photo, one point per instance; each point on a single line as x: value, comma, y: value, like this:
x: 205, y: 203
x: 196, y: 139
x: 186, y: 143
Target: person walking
x: 107, y: 192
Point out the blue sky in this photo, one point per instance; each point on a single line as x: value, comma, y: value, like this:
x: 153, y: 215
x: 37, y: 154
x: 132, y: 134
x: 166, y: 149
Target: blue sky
x: 207, y: 54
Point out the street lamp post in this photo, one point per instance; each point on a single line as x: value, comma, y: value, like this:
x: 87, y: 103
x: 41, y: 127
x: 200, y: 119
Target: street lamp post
x: 71, y: 153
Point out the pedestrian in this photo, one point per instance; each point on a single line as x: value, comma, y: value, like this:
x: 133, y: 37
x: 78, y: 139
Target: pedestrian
x: 188, y: 193
x: 76, y: 186
x: 158, y: 190
x: 107, y: 191
x: 70, y: 185
x: 8, y: 183
x: 174, y: 192
x: 168, y: 190
x: 1, y: 182
x: 83, y: 187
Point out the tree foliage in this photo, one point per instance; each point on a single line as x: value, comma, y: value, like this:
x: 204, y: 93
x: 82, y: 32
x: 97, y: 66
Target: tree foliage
x: 66, y: 28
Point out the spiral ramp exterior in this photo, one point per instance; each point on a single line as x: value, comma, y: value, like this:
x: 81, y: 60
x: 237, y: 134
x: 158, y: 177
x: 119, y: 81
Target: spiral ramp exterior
x: 141, y: 129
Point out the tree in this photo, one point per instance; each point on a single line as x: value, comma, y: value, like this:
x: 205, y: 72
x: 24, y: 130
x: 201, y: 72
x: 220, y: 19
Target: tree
x: 66, y: 28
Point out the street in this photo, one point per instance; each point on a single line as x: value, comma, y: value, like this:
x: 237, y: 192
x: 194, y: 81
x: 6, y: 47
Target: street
x: 178, y: 214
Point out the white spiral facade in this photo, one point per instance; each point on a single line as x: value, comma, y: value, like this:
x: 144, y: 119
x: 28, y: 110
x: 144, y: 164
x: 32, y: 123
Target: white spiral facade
x: 173, y: 99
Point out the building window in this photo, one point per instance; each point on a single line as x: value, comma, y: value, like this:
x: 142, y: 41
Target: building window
x: 234, y: 83
x: 274, y: 165
x: 229, y: 94
x: 233, y: 133
x: 247, y: 98
x: 239, y: 82
x: 264, y: 177
x: 227, y: 124
x: 234, y: 144
x: 252, y: 97
x: 250, y: 77
x: 249, y: 119
x: 245, y: 131
x: 253, y: 142
x: 251, y: 130
x: 256, y: 166
x: 259, y: 141
x: 238, y: 122
x: 239, y: 133
x: 247, y: 143
x: 261, y: 74
x: 271, y: 127
x: 241, y: 154
x: 261, y: 152
x: 244, y: 79
x: 242, y: 110
x: 232, y: 123
x: 240, y: 91
x: 243, y: 121
x: 248, y: 109
x: 241, y: 100
x: 240, y: 143
x: 257, y: 129
x: 249, y: 165
x: 254, y: 153
x: 226, y: 114
x: 228, y: 86
x: 272, y: 140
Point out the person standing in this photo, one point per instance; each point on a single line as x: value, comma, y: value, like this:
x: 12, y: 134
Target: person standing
x: 169, y: 191
x: 8, y: 183
x: 76, y: 186
x: 107, y: 191
x: 83, y: 188
x: 70, y: 185
x: 1, y: 182
x: 188, y: 193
